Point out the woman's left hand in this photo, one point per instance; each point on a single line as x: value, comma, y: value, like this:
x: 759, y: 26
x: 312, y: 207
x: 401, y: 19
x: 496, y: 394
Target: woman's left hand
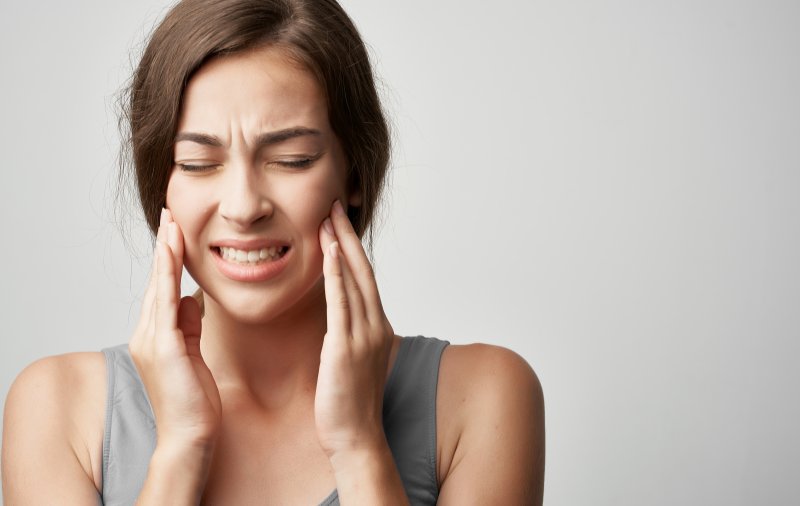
x: 348, y: 407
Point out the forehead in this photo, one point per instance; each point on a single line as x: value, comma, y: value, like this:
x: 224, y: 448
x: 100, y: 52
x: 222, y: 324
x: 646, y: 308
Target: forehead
x: 262, y: 89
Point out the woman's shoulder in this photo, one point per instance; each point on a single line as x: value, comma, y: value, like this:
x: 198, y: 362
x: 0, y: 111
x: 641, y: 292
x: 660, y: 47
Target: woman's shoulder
x: 488, y: 373
x: 61, y: 379
x: 491, y: 406
x: 58, y: 401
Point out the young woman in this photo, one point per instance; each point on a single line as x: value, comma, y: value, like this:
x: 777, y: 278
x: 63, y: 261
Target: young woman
x: 260, y: 148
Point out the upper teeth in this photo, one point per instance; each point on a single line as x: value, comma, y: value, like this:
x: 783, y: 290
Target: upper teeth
x: 250, y: 256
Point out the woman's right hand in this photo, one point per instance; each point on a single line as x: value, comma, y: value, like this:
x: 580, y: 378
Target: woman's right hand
x: 166, y: 350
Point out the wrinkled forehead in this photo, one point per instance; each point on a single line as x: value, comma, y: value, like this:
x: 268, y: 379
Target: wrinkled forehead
x: 263, y: 89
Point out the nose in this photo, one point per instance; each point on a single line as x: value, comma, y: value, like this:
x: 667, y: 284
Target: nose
x: 244, y: 201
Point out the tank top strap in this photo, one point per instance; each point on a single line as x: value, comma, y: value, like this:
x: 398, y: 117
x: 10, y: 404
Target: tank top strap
x: 409, y: 415
x: 129, y: 438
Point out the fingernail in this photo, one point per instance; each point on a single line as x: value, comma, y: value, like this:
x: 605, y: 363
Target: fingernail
x: 337, y: 207
x: 163, y: 215
x: 328, y: 226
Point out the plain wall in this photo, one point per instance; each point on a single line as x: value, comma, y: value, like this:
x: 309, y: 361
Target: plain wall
x: 609, y: 188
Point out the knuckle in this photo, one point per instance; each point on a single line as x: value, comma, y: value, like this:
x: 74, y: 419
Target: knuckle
x: 377, y: 328
x: 162, y: 299
x: 354, y: 287
x: 367, y: 272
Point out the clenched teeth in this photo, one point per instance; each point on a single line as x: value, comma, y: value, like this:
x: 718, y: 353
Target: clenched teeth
x: 252, y: 256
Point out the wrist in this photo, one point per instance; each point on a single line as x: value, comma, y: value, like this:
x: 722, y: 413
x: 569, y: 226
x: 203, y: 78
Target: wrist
x: 176, y: 475
x: 360, y: 456
x: 176, y: 442
x: 368, y: 475
x: 189, y: 455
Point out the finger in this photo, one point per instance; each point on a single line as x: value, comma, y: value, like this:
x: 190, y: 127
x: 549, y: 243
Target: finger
x: 338, y: 311
x: 359, y: 264
x: 166, y: 317
x: 358, y: 316
x: 176, y: 247
x: 147, y: 323
x: 161, y: 233
x: 148, y: 300
x: 175, y: 241
x: 149, y: 293
x: 146, y: 309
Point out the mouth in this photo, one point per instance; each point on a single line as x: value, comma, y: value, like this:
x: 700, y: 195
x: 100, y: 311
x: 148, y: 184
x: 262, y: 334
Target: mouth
x: 250, y: 257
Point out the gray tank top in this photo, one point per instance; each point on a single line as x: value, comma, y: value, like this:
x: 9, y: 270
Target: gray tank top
x: 409, y: 421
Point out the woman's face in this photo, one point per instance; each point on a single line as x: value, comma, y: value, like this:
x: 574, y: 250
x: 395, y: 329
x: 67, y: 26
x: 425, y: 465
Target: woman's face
x: 255, y: 159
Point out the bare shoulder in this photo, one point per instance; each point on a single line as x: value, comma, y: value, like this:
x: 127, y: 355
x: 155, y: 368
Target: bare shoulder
x: 51, y: 418
x: 464, y: 363
x: 490, y: 406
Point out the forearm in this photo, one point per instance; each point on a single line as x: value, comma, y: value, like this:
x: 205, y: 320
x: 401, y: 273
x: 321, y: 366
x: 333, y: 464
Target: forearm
x: 369, y: 477
x: 176, y: 476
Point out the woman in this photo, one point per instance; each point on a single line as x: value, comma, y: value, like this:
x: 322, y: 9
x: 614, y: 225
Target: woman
x: 260, y: 149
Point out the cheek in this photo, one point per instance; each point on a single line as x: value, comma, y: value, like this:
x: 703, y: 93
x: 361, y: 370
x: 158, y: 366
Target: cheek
x: 186, y: 206
x: 175, y: 195
x: 320, y: 192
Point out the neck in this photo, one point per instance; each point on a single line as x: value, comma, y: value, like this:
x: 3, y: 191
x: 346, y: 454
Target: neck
x: 273, y: 364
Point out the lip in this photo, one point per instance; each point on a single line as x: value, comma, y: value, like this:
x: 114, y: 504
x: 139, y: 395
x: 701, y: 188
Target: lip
x: 250, y: 273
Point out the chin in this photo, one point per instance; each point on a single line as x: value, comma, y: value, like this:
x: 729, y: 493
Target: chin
x: 254, y: 305
x: 251, y: 308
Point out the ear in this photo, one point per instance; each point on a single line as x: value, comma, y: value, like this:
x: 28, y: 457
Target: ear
x: 355, y: 199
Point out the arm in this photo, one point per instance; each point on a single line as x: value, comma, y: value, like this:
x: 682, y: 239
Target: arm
x: 499, y: 457
x: 176, y: 475
x: 47, y: 430
x: 186, y: 402
x: 46, y: 458
x: 352, y: 374
x: 369, y: 477
x: 43, y: 460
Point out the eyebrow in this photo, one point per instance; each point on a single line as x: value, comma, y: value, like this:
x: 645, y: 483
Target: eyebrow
x: 264, y: 139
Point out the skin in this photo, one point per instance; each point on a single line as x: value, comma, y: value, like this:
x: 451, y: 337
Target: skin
x: 275, y: 394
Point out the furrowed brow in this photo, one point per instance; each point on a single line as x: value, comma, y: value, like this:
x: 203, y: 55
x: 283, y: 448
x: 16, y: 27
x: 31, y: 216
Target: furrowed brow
x: 264, y: 139
x: 204, y: 139
x: 278, y: 136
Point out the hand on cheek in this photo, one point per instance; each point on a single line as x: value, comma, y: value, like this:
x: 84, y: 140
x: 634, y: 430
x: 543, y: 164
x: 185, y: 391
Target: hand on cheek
x: 355, y: 352
x: 165, y: 349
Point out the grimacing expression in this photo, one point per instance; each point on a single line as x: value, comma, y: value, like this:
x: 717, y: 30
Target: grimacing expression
x: 255, y: 157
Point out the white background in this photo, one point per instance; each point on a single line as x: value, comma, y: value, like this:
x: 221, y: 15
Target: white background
x: 609, y: 188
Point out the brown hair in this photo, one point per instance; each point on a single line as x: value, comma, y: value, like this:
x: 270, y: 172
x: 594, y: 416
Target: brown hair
x: 316, y: 33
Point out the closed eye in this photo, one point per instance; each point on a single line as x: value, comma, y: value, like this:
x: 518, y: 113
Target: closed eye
x: 294, y: 164
x: 301, y: 162
x: 297, y: 164
x: 195, y: 168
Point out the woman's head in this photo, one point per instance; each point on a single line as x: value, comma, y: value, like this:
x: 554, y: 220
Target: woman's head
x: 257, y: 166
x: 316, y: 35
